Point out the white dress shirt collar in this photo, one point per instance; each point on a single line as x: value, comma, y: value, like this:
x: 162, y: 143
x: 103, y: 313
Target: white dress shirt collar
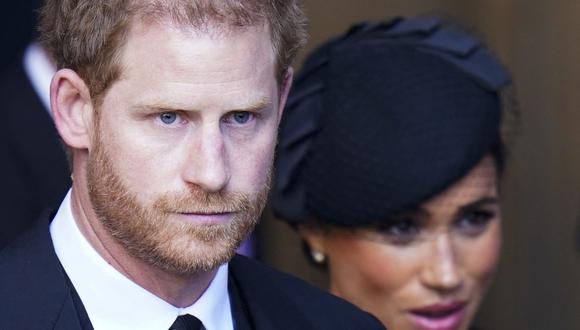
x: 112, y: 301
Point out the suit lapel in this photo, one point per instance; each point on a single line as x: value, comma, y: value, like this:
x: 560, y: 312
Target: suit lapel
x: 69, y: 319
x: 240, y: 314
x: 77, y: 305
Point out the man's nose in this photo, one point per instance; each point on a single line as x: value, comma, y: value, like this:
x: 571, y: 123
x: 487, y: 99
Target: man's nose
x: 442, y: 272
x: 207, y: 162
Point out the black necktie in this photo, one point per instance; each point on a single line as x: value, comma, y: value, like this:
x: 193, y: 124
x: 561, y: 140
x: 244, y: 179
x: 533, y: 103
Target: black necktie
x: 186, y: 322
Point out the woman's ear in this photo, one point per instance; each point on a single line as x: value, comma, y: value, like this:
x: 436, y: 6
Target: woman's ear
x: 314, y: 237
x: 72, y: 109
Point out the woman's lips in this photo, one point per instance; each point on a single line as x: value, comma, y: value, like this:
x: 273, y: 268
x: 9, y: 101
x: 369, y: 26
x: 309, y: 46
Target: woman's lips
x: 440, y: 316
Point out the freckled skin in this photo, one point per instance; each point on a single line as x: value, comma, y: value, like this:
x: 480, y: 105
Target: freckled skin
x: 441, y: 264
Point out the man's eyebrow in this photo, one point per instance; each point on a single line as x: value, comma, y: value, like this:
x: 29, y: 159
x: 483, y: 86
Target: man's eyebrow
x: 258, y: 105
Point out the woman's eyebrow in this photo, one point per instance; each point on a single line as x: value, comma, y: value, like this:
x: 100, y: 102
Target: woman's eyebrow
x: 479, y: 203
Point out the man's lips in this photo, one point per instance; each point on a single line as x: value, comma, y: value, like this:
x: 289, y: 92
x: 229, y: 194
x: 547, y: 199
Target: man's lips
x: 440, y: 316
x: 206, y: 217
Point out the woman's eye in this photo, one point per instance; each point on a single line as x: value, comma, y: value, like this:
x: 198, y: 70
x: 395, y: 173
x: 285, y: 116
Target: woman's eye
x: 474, y: 222
x: 168, y: 118
x: 400, y: 231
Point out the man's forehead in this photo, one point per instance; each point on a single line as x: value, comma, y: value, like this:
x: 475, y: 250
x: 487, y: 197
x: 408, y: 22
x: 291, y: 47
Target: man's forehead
x: 180, y: 68
x: 215, y: 33
x: 161, y: 44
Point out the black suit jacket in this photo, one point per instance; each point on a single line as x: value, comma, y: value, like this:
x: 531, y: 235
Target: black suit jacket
x: 33, y: 171
x: 36, y: 294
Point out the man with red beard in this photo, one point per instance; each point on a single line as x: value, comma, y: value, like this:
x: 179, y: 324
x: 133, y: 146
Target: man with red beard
x: 169, y: 110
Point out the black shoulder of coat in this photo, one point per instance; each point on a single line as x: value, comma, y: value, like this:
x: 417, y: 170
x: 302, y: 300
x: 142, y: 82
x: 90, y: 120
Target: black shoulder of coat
x: 280, y: 301
x: 33, y: 285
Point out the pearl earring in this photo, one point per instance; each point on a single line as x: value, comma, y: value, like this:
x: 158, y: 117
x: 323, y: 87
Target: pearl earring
x: 318, y: 256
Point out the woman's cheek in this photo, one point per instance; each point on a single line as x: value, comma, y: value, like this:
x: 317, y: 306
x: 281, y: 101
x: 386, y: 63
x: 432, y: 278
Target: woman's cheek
x: 377, y: 277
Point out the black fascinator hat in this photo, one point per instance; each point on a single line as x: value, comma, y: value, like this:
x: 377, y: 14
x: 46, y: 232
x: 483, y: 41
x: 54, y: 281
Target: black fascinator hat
x: 383, y: 118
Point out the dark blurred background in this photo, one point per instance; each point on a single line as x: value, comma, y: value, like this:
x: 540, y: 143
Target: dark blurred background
x: 537, y: 286
x: 17, y: 21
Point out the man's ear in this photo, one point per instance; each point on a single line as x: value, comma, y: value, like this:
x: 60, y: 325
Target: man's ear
x: 285, y: 90
x: 72, y: 109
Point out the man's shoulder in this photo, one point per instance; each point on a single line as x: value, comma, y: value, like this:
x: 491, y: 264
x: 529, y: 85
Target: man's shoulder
x: 28, y: 260
x: 31, y: 279
x: 257, y: 273
x: 283, y: 294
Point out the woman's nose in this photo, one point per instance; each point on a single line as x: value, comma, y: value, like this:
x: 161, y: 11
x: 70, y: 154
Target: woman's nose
x: 441, y: 272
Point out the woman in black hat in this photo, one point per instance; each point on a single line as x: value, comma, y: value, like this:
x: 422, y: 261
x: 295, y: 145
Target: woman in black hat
x: 389, y: 160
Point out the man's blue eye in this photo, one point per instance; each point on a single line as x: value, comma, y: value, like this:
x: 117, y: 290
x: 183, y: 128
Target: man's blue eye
x: 168, y: 117
x: 241, y: 117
